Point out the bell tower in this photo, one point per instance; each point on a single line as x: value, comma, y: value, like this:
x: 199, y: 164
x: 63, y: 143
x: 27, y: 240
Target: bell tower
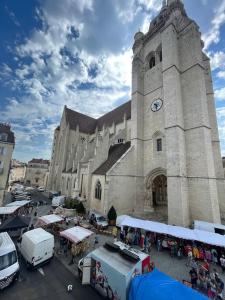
x: 174, y: 129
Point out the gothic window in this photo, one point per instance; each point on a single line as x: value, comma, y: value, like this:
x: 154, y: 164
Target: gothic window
x: 67, y: 186
x: 159, y: 144
x: 152, y: 62
x: 98, y: 190
x: 120, y: 141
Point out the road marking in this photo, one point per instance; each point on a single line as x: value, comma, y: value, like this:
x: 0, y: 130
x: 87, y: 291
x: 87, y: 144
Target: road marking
x: 40, y: 270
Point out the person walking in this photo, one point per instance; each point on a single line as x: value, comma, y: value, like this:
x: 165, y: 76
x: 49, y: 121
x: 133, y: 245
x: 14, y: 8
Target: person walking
x: 96, y: 240
x: 222, y: 263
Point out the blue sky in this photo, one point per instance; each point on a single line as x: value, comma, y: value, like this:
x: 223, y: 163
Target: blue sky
x: 78, y: 53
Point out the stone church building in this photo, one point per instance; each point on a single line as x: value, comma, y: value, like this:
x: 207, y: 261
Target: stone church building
x: 158, y: 155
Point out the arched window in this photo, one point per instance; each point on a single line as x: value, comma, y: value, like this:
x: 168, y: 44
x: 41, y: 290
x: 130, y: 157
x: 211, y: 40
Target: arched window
x: 98, y: 190
x: 152, y: 62
x: 159, y: 144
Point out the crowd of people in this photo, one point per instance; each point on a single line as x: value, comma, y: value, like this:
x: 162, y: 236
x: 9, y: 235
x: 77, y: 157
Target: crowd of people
x: 202, y: 259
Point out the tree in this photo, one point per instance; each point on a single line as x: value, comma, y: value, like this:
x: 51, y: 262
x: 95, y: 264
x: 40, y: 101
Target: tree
x: 80, y: 208
x: 112, y: 215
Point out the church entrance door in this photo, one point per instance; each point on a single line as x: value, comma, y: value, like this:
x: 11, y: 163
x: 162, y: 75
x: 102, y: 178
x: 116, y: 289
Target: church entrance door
x: 159, y: 191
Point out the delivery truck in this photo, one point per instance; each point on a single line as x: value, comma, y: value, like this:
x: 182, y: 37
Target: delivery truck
x: 9, y: 266
x: 110, y: 269
x: 36, y: 247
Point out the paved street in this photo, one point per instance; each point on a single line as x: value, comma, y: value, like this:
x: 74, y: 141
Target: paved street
x: 50, y: 282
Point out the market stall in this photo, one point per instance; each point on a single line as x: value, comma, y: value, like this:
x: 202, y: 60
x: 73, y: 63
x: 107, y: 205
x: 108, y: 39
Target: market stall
x: 209, y: 238
x: 159, y: 286
x: 77, y: 236
x: 49, y: 219
x: 15, y: 224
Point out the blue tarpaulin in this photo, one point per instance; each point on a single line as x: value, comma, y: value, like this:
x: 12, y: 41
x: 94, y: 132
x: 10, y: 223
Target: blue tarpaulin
x: 159, y: 286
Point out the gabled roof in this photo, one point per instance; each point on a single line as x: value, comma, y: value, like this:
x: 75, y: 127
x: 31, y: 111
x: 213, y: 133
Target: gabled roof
x: 115, y: 152
x: 88, y: 124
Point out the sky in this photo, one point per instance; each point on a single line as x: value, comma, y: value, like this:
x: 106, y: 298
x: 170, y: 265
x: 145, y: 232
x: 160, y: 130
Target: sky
x: 79, y: 53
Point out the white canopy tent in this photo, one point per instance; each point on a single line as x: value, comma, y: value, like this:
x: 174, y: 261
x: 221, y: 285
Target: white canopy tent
x: 76, y: 234
x: 176, y: 231
x: 18, y: 203
x: 8, y: 210
x: 49, y: 219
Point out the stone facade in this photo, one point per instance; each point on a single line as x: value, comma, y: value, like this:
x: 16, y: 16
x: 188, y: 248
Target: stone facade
x: 7, y: 143
x: 159, y: 153
x: 17, y: 173
x: 36, y: 172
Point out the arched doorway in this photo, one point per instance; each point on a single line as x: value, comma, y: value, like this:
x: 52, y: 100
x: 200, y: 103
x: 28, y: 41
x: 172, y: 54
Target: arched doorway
x: 159, y: 191
x: 156, y: 194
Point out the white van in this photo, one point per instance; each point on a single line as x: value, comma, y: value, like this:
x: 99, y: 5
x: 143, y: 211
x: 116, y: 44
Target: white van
x: 58, y: 201
x: 36, y: 247
x: 9, y: 266
x: 211, y: 227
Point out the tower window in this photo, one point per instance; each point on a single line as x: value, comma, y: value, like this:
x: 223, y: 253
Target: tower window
x: 152, y: 62
x: 98, y: 190
x: 160, y: 55
x: 159, y: 144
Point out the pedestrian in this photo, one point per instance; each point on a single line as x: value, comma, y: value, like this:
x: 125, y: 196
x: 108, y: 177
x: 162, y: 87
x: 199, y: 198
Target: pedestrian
x: 159, y: 245
x: 190, y: 257
x: 222, y: 263
x: 65, y: 247
x: 194, y: 277
x: 95, y: 240
x: 194, y: 264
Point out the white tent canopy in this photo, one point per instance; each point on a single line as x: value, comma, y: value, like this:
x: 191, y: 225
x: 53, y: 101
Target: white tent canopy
x: 76, y: 234
x: 18, y: 203
x: 8, y: 210
x: 50, y: 219
x: 176, y: 231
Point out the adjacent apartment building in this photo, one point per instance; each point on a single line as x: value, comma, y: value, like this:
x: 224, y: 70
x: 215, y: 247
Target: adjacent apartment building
x: 36, y: 172
x: 7, y: 143
x: 17, y: 172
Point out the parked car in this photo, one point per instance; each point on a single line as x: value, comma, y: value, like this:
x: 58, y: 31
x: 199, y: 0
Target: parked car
x: 41, y: 189
x: 98, y: 220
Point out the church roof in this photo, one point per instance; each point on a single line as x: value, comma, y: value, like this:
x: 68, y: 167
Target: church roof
x: 115, y: 152
x: 88, y: 124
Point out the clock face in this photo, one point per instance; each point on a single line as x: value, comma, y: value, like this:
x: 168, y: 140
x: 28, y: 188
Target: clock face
x: 156, y: 105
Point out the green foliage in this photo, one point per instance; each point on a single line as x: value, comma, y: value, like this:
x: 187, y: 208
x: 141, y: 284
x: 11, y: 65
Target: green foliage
x: 71, y: 203
x: 80, y: 208
x: 112, y: 215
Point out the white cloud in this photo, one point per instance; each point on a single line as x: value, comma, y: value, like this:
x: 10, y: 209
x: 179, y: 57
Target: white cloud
x: 220, y: 94
x: 213, y: 36
x: 217, y: 59
x: 221, y: 127
x: 221, y: 74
